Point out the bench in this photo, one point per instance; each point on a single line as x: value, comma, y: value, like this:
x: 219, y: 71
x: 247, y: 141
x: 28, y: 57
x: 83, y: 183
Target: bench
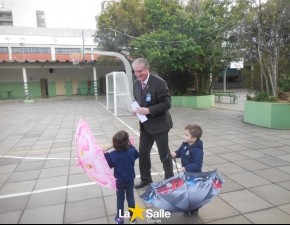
x: 219, y: 96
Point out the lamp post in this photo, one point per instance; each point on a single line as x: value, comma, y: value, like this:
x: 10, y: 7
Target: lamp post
x: 22, y: 45
x: 225, y: 77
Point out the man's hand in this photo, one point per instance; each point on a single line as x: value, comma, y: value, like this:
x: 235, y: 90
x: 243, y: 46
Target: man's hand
x: 142, y: 111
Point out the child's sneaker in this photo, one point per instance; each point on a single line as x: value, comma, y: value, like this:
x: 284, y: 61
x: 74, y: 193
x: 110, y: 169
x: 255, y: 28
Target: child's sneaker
x: 119, y: 220
x: 187, y: 214
x: 133, y: 221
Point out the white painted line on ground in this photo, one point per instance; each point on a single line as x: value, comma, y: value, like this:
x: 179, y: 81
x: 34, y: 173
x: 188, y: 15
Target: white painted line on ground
x: 42, y: 158
x: 60, y: 188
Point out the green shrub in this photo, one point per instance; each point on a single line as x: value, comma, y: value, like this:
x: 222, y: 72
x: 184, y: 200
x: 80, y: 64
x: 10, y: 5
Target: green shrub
x: 263, y: 97
x: 260, y: 97
x: 284, y: 83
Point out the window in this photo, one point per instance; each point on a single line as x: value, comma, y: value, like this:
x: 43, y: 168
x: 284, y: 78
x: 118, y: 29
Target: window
x: 1, y: 5
x: 31, y: 50
x: 67, y: 50
x: 3, y: 50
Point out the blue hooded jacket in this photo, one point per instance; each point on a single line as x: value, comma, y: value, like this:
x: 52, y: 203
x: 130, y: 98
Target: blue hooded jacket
x: 191, y: 156
x: 123, y: 163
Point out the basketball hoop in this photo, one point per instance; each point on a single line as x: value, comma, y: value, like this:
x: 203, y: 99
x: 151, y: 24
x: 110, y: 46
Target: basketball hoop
x: 76, y: 57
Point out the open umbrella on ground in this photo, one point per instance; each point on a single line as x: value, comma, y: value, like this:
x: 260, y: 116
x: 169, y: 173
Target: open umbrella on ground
x: 91, y: 157
x: 184, y: 192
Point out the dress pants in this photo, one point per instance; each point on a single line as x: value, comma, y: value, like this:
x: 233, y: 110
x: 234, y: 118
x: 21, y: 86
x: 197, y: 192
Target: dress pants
x: 146, y: 143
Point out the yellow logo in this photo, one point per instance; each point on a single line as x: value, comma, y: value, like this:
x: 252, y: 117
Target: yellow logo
x: 137, y: 212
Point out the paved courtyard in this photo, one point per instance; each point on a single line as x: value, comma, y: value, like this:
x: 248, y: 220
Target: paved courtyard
x: 39, y: 182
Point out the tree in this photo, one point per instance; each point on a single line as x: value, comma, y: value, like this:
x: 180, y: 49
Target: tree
x: 264, y: 33
x: 183, y: 43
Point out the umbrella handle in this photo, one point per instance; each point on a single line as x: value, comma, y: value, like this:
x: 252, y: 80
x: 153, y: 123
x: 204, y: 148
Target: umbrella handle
x: 174, y: 159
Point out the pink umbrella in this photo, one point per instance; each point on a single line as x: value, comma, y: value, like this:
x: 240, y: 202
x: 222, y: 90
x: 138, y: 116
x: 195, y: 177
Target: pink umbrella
x: 91, y: 157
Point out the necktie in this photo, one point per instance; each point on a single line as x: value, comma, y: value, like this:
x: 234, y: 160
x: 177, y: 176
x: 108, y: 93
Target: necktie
x: 143, y: 86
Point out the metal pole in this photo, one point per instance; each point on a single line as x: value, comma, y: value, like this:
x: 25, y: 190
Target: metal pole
x: 225, y: 76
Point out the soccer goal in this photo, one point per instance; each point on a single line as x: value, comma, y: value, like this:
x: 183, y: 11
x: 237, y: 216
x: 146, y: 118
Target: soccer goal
x: 118, y: 95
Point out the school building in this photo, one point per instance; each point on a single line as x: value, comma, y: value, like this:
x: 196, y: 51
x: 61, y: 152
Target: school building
x: 37, y: 61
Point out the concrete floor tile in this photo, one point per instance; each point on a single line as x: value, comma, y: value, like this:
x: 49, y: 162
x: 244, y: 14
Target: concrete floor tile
x: 232, y: 157
x: 102, y: 220
x: 84, y: 192
x: 215, y: 210
x: 273, y: 174
x: 272, y: 193
x: 214, y: 159
x: 253, y: 154
x: 273, y: 161
x: 284, y: 157
x: 266, y: 216
x: 54, y: 172
x: 254, y: 145
x: 218, y: 150
x: 232, y: 220
x: 79, y: 178
x: 228, y: 168
x: 51, y: 182
x: 8, y: 168
x: 13, y: 204
x: 284, y: 148
x: 252, y: 165
x: 84, y: 210
x: 285, y: 185
x: 245, y: 201
x: 40, y: 215
x: 237, y: 148
x: 248, y: 179
x: 46, y: 199
x: 272, y: 152
x: 284, y: 168
x: 285, y: 208
x: 10, y: 217
x: 8, y: 161
x: 17, y: 187
x: 55, y: 163
x: 23, y: 176
x: 230, y: 185
x: 29, y: 166
x: 4, y: 177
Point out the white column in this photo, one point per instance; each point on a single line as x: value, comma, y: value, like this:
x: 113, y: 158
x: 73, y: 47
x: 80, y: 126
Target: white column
x: 10, y: 52
x: 52, y: 49
x: 26, y: 92
x: 95, y: 82
x: 225, y: 78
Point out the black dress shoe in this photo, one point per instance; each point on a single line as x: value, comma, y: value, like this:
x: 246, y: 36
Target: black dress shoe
x: 141, y: 184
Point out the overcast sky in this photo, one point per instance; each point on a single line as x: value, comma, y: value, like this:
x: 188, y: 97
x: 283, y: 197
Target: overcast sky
x: 77, y: 14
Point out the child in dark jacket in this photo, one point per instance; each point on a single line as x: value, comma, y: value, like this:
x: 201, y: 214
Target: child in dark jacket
x: 191, y: 153
x: 123, y: 161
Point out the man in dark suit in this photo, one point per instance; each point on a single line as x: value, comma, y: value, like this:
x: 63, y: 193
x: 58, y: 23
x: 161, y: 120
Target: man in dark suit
x: 151, y: 92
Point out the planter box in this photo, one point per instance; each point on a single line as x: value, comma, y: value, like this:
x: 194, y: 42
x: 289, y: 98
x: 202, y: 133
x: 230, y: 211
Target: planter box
x: 205, y: 101
x: 30, y: 100
x: 266, y: 114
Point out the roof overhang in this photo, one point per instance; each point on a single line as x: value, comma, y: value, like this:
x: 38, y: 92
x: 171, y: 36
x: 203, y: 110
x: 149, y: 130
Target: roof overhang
x: 12, y: 64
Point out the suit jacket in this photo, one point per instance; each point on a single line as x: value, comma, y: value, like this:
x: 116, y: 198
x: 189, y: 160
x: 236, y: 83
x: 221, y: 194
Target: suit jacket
x: 159, y: 119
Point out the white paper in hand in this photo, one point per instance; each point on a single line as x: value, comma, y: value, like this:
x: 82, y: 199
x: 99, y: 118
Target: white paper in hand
x: 135, y: 105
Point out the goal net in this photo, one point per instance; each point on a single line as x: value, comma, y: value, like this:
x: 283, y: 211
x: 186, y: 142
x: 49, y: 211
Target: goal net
x: 118, y: 95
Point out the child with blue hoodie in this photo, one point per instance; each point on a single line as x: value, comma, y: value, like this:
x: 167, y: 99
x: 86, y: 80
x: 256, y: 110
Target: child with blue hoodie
x: 123, y: 161
x: 191, y: 154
